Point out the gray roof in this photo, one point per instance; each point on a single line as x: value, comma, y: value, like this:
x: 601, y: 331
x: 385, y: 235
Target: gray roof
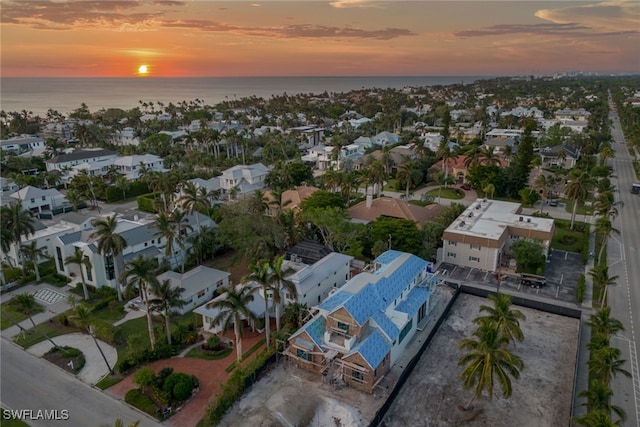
x: 311, y: 275
x: 195, y: 279
x: 75, y: 217
x: 67, y: 239
x: 148, y: 252
x: 80, y: 155
x: 140, y: 234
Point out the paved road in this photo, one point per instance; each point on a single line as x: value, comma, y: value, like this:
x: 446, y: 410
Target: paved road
x: 31, y: 383
x: 624, y: 261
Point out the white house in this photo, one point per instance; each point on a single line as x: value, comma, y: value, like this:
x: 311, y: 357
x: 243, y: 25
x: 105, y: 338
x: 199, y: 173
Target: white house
x: 199, y: 285
x: 130, y: 166
x: 141, y: 238
x: 386, y: 138
x: 23, y: 145
x: 45, y: 238
x: 244, y: 179
x: 315, y: 282
x: 40, y: 201
x: 7, y: 186
x: 209, y: 313
x: 63, y: 162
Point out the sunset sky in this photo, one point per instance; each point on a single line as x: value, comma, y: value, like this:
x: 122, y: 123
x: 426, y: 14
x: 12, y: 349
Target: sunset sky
x: 114, y: 38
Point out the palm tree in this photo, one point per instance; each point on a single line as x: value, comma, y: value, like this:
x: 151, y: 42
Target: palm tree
x: 82, y: 316
x: 179, y: 220
x: 166, y: 298
x: 597, y: 418
x: 605, y: 362
x: 19, y: 222
x: 489, y: 157
x: 166, y: 230
x: 123, y: 184
x: 193, y: 199
x: 409, y: 174
x: 605, y: 205
x: 602, y: 323
x: 444, y: 153
x: 506, y: 318
x: 110, y: 245
x: 260, y: 275
x: 27, y: 305
x: 281, y: 283
x: 376, y: 175
x: 606, y: 152
x: 233, y: 308
x: 604, y: 228
x: 577, y: 191
x: 80, y: 260
x: 141, y: 273
x: 33, y: 252
x: 598, y: 397
x: 489, y: 190
x: 600, y: 276
x: 487, y: 360
x: 473, y: 155
x: 542, y: 183
x: 75, y: 198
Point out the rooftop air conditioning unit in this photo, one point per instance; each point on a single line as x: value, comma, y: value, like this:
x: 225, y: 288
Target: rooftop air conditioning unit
x: 470, y: 215
x: 462, y: 224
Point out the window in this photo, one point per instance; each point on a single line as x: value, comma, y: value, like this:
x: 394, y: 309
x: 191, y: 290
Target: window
x: 33, y: 200
x: 303, y: 355
x: 89, y: 275
x: 472, y: 246
x: 219, y: 283
x: 109, y: 268
x: 60, y: 259
x: 451, y: 254
x: 452, y: 243
x: 201, y: 294
x: 343, y: 326
x: 44, y: 198
x: 357, y: 376
x: 405, y: 331
x: 474, y: 259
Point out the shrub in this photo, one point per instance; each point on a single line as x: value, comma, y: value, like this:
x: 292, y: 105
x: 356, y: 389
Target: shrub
x: 213, y: 343
x: 62, y: 319
x: 106, y: 292
x: 11, y: 274
x: 162, y: 375
x: 179, y: 386
x: 141, y: 401
x: 56, y: 279
x: 145, y: 202
x: 581, y: 288
x: 144, y: 377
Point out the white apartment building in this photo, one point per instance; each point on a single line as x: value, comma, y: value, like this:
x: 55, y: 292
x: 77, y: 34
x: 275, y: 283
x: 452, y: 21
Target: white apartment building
x: 485, y: 231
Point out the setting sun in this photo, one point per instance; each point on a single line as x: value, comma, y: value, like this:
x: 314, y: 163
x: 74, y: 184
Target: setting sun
x: 143, y: 70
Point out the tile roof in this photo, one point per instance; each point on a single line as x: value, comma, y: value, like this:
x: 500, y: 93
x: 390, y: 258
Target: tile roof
x: 394, y: 208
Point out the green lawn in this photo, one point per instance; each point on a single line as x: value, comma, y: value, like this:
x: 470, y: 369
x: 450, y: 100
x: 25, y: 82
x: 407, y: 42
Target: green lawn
x: 10, y: 315
x: 52, y: 330
x: 447, y: 193
x: 108, y: 381
x: 570, y: 240
x: 582, y: 210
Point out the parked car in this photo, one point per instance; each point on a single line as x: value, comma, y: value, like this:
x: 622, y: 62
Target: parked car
x: 465, y: 187
x: 553, y: 202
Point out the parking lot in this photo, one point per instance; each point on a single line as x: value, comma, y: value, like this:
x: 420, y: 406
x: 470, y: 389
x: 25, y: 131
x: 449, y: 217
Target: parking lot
x: 562, y: 272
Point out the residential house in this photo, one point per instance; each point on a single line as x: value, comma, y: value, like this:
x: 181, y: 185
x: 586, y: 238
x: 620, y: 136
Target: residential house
x: 481, y: 237
x: 243, y: 179
x: 290, y: 199
x: 386, y: 138
x: 362, y: 329
x: 131, y: 166
x: 41, y: 201
x: 43, y: 236
x: 568, y: 115
x: 371, y: 209
x: 141, y: 239
x: 563, y: 155
x: 516, y: 134
x: 63, y: 162
x: 24, y: 145
x: 500, y: 143
x: 456, y: 167
x: 208, y: 313
x: 199, y: 284
x: 7, y: 186
x: 315, y: 282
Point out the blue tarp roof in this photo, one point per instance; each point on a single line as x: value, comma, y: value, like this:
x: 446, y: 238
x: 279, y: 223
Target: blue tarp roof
x: 373, y: 349
x: 417, y: 296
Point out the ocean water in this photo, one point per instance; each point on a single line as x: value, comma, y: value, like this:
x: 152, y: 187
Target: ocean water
x: 65, y: 95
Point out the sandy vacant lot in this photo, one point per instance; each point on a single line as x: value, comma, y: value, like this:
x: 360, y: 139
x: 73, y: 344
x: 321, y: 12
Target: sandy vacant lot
x: 289, y: 396
x: 542, y: 396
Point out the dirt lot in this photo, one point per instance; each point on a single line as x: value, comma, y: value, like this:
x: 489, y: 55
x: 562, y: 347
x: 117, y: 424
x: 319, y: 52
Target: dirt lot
x: 289, y: 396
x: 542, y: 396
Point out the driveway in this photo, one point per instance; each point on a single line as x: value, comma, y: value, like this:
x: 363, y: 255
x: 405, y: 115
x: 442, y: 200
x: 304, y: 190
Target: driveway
x: 95, y: 368
x: 210, y: 373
